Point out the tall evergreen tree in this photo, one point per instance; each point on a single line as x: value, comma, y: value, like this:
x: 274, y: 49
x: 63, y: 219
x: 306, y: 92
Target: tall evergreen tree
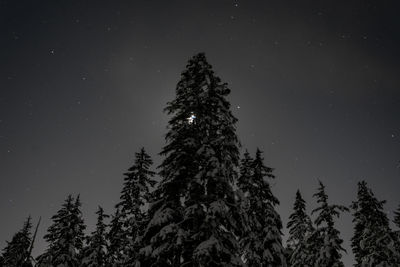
x: 65, y: 236
x: 195, y: 222
x: 134, y: 202
x: 94, y: 254
x: 300, y: 229
x: 373, y: 242
x: 329, y: 254
x: 16, y: 253
x: 263, y: 244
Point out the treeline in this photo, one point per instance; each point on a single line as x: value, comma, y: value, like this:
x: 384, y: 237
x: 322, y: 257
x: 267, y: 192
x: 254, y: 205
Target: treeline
x: 211, y: 207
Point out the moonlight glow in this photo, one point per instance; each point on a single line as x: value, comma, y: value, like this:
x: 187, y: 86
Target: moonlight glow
x: 191, y: 118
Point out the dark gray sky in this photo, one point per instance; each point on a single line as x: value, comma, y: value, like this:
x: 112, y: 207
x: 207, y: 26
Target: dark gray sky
x: 315, y: 84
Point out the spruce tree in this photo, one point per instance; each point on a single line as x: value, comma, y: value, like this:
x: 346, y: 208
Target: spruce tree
x: 300, y: 229
x: 195, y: 221
x: 116, y: 240
x: 373, y: 243
x: 135, y: 196
x: 329, y: 253
x: 65, y: 236
x: 16, y: 252
x: 263, y: 244
x: 94, y: 254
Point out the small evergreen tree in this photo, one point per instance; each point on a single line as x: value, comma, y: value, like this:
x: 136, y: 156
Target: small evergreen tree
x: 329, y: 254
x: 16, y: 253
x: 300, y: 229
x: 373, y: 243
x: 65, y: 236
x: 134, y: 203
x: 263, y: 244
x: 116, y: 241
x: 94, y: 254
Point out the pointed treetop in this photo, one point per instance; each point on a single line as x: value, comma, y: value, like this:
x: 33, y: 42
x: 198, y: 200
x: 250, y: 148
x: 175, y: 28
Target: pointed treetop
x: 327, y: 212
x: 299, y: 222
x: 16, y: 251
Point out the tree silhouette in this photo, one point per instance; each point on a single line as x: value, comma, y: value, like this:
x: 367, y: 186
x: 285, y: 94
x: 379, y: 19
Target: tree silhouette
x: 65, y: 236
x: 300, y: 229
x: 329, y: 252
x: 373, y: 242
x: 16, y: 252
x: 262, y: 245
x: 194, y: 222
x: 94, y: 254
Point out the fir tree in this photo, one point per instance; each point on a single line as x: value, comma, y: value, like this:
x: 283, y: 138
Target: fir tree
x: 329, y: 254
x: 373, y: 242
x: 94, y: 254
x: 65, y: 236
x: 16, y: 253
x: 116, y: 241
x: 262, y: 246
x: 135, y: 196
x: 300, y: 229
x: 195, y: 220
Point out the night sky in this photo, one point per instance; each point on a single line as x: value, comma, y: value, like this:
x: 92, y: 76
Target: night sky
x: 83, y: 85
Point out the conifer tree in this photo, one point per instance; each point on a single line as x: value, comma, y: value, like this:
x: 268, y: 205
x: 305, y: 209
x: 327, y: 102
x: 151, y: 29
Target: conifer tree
x: 300, y: 229
x: 65, y: 236
x: 135, y: 196
x: 263, y: 244
x: 195, y: 220
x: 329, y: 253
x: 373, y: 242
x: 16, y: 253
x: 116, y: 241
x: 94, y: 254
